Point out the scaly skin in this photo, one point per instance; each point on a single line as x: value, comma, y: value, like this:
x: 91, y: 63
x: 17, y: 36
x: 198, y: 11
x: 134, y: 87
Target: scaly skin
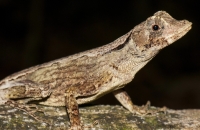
x: 86, y: 76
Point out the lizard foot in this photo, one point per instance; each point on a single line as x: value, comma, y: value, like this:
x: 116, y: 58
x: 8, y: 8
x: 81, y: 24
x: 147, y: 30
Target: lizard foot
x: 76, y: 128
x: 146, y: 109
x: 29, y: 109
x: 93, y: 125
x: 82, y: 127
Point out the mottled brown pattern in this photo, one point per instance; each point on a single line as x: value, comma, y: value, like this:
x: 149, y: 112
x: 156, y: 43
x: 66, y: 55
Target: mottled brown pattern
x: 86, y: 76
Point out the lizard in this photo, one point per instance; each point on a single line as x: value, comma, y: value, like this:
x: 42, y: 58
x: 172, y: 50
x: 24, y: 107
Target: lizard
x: 86, y: 76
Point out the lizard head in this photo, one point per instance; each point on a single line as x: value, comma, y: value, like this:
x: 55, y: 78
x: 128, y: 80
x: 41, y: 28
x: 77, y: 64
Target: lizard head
x: 157, y: 32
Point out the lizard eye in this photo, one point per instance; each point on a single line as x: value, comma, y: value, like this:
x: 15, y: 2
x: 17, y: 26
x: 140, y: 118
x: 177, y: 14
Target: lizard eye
x: 155, y: 27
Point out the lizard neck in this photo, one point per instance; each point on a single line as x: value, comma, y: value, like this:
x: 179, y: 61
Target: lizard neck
x: 128, y: 60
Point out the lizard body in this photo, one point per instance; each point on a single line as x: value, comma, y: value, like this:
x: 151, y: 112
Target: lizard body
x: 88, y: 75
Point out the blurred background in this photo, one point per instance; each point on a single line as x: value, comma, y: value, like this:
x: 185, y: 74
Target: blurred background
x: 37, y: 31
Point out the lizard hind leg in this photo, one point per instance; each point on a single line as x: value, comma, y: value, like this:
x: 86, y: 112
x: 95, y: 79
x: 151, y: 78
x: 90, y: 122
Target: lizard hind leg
x: 22, y: 92
x: 28, y: 89
x: 30, y: 109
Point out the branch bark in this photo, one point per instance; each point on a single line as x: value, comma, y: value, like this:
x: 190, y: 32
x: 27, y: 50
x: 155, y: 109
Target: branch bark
x: 107, y: 118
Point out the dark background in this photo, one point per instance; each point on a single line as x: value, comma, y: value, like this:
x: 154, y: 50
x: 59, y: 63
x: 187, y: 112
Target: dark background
x: 36, y: 31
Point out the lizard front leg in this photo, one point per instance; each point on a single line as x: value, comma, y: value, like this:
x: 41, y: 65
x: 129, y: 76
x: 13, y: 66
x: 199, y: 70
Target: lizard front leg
x: 72, y: 109
x: 122, y: 96
x: 71, y: 94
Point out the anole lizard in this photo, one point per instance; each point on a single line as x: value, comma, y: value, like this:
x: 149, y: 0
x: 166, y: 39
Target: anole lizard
x: 86, y: 76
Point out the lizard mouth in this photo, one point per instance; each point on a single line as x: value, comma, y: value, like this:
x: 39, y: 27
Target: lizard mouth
x: 180, y: 32
x: 185, y: 30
